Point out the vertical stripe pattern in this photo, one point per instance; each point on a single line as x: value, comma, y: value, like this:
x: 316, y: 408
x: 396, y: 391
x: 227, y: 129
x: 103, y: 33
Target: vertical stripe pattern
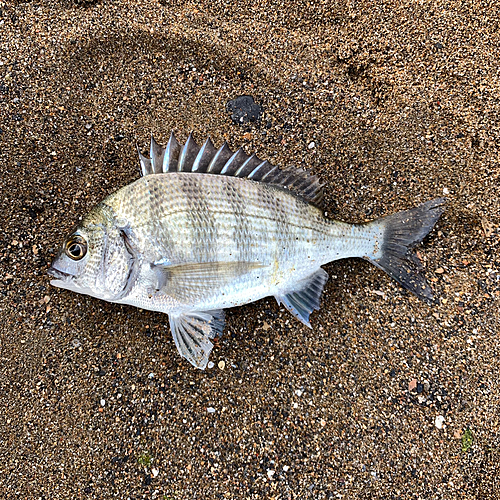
x: 202, y: 223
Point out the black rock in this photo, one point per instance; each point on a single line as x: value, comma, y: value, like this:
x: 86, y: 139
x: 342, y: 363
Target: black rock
x: 244, y: 109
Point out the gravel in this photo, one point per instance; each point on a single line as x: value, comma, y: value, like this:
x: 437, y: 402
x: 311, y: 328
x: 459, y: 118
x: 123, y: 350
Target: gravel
x: 400, y: 102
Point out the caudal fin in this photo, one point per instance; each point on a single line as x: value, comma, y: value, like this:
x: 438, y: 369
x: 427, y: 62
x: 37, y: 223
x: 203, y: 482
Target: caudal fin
x: 401, y: 232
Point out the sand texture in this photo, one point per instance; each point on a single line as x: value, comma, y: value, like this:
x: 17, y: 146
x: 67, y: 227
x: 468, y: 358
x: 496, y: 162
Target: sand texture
x: 390, y: 104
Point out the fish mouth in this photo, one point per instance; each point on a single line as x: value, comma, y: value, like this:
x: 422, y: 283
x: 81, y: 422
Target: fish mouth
x: 60, y: 275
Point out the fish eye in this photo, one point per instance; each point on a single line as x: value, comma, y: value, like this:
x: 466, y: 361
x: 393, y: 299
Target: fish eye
x: 76, y: 247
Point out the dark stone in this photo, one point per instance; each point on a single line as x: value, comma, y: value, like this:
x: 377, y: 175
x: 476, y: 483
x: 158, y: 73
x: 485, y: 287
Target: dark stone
x: 438, y: 45
x: 243, y: 109
x: 420, y: 388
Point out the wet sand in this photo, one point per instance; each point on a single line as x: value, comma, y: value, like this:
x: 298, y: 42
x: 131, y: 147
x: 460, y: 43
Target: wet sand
x: 391, y: 105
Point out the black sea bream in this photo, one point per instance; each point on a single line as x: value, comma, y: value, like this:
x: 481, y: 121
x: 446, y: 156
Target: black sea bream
x: 205, y: 229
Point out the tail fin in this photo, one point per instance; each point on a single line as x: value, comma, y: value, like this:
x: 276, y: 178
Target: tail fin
x: 401, y: 232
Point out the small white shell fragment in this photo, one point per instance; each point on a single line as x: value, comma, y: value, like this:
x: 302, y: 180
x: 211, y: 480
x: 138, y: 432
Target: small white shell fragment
x: 103, y: 402
x: 446, y: 191
x: 439, y: 422
x: 210, y: 364
x: 75, y: 343
x: 155, y: 472
x: 221, y: 365
x: 211, y: 410
x: 311, y: 145
x: 286, y: 468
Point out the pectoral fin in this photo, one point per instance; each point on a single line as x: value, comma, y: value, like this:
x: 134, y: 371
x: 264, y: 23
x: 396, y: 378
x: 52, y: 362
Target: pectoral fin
x: 187, y: 281
x: 306, y: 296
x: 192, y: 331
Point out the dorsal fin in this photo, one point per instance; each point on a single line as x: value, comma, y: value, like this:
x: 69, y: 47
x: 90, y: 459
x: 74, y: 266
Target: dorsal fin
x: 207, y: 159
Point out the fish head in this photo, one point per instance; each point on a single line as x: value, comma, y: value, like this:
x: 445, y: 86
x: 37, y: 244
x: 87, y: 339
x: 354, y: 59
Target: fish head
x: 95, y: 259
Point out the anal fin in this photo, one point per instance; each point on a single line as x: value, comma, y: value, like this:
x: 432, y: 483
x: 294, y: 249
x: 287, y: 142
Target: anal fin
x: 192, y: 332
x: 305, y: 297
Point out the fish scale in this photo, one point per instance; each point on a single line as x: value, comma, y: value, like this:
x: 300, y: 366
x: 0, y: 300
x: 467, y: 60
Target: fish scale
x: 205, y: 229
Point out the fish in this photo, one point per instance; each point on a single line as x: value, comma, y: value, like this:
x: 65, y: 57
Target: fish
x: 205, y: 229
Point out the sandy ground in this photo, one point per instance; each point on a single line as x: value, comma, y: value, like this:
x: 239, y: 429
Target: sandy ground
x: 401, y: 101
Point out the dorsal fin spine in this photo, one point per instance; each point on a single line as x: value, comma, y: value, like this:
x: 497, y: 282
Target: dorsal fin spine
x: 156, y: 152
x: 252, y: 174
x: 224, y: 149
x: 199, y: 156
x: 241, y: 171
x: 232, y: 163
x: 228, y: 163
x: 182, y: 165
x: 145, y: 163
x: 171, y: 154
x: 268, y: 174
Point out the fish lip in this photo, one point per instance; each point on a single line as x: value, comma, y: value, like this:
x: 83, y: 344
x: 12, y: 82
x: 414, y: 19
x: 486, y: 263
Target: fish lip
x: 56, y: 273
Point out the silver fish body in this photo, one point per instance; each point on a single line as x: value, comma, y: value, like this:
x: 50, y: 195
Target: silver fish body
x: 198, y: 234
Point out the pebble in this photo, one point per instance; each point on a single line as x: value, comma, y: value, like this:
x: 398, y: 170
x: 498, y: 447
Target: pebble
x: 244, y: 109
x: 211, y: 410
x: 103, y: 402
x: 311, y: 145
x: 221, y: 365
x: 211, y: 364
x: 439, y: 422
x: 286, y: 468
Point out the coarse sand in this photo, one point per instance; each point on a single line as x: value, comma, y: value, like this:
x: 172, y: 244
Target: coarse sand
x: 390, y: 104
